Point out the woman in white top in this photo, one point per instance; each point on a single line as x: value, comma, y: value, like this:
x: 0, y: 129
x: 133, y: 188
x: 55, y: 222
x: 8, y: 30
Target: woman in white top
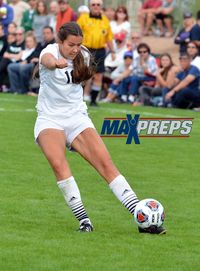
x: 121, y: 22
x: 62, y: 119
x: 193, y: 52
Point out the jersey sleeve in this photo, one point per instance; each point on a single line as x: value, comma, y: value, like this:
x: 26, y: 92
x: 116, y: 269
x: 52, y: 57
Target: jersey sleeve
x: 50, y: 49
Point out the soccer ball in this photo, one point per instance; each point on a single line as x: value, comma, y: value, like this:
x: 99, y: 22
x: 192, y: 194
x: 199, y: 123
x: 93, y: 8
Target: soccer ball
x: 149, y: 212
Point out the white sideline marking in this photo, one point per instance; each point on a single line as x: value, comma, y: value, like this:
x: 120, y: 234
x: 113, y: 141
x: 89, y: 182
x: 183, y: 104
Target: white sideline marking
x: 125, y: 111
x: 16, y: 100
x: 111, y: 110
x: 18, y: 110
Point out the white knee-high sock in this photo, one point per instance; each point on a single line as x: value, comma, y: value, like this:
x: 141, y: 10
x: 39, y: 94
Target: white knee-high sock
x: 72, y: 197
x: 124, y: 193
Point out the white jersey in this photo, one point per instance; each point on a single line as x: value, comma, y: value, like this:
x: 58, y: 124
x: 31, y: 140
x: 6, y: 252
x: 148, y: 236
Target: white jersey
x: 58, y: 96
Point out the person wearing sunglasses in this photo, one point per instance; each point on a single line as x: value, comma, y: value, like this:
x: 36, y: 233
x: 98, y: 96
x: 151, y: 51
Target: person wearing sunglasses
x: 143, y: 70
x: 193, y: 52
x: 97, y: 35
x: 121, y: 22
x: 185, y: 93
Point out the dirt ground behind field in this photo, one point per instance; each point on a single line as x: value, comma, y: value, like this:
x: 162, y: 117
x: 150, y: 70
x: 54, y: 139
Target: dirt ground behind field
x: 162, y: 45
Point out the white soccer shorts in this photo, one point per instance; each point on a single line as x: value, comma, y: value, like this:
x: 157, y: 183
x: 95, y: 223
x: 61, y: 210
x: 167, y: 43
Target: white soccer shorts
x: 72, y: 126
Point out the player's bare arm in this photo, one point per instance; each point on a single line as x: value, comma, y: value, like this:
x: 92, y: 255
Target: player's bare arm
x: 50, y: 62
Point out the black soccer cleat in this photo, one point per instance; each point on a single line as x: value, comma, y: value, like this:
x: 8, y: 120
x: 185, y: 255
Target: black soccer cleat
x: 153, y: 230
x: 85, y: 226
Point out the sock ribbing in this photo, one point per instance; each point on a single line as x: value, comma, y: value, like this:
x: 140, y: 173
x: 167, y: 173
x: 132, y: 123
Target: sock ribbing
x: 72, y: 197
x: 124, y: 193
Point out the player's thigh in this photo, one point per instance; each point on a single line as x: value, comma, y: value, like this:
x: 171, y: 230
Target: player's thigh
x: 91, y: 147
x: 53, y: 144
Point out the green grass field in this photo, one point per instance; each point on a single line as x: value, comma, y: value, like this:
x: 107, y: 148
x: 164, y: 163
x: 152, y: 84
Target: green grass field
x: 38, y: 231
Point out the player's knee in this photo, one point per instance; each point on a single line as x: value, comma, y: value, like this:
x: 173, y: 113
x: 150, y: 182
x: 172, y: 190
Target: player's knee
x: 106, y: 165
x: 58, y: 166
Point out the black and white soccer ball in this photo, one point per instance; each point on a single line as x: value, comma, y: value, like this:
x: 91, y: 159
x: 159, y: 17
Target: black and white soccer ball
x: 149, y: 212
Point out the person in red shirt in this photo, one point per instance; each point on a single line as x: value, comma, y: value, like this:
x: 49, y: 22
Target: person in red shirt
x: 146, y: 15
x: 65, y: 15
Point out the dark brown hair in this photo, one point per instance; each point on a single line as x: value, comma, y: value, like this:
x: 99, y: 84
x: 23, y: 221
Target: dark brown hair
x: 166, y: 70
x: 124, y: 9
x: 81, y: 71
x: 144, y: 45
x: 45, y: 7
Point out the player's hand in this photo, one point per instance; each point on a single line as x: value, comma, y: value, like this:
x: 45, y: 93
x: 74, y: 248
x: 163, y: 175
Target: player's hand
x: 61, y: 63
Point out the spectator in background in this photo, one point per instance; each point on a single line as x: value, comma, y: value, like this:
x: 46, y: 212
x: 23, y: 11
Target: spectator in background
x: 165, y: 78
x: 117, y: 76
x: 27, y: 18
x: 12, y: 27
x: 120, y: 48
x: 121, y: 22
x: 6, y: 16
x: 97, y: 34
x: 183, y: 36
x: 146, y: 15
x: 110, y: 13
x: 12, y: 53
x: 65, y: 15
x: 20, y: 73
x: 3, y: 41
x: 48, y: 38
x: 195, y: 31
x: 40, y: 20
x: 164, y: 17
x: 143, y: 70
x: 193, y: 52
x: 53, y: 12
x: 186, y: 92
x: 133, y: 43
x: 18, y: 7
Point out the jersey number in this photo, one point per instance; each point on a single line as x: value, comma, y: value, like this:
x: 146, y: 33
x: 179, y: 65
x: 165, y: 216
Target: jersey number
x: 70, y: 78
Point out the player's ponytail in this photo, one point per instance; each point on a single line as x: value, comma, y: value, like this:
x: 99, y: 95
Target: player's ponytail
x: 82, y: 71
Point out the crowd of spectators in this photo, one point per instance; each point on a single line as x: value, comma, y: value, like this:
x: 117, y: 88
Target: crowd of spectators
x: 127, y: 69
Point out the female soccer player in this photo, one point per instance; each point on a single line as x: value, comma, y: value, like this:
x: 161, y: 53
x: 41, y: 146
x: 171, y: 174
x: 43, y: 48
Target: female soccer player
x: 62, y: 119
